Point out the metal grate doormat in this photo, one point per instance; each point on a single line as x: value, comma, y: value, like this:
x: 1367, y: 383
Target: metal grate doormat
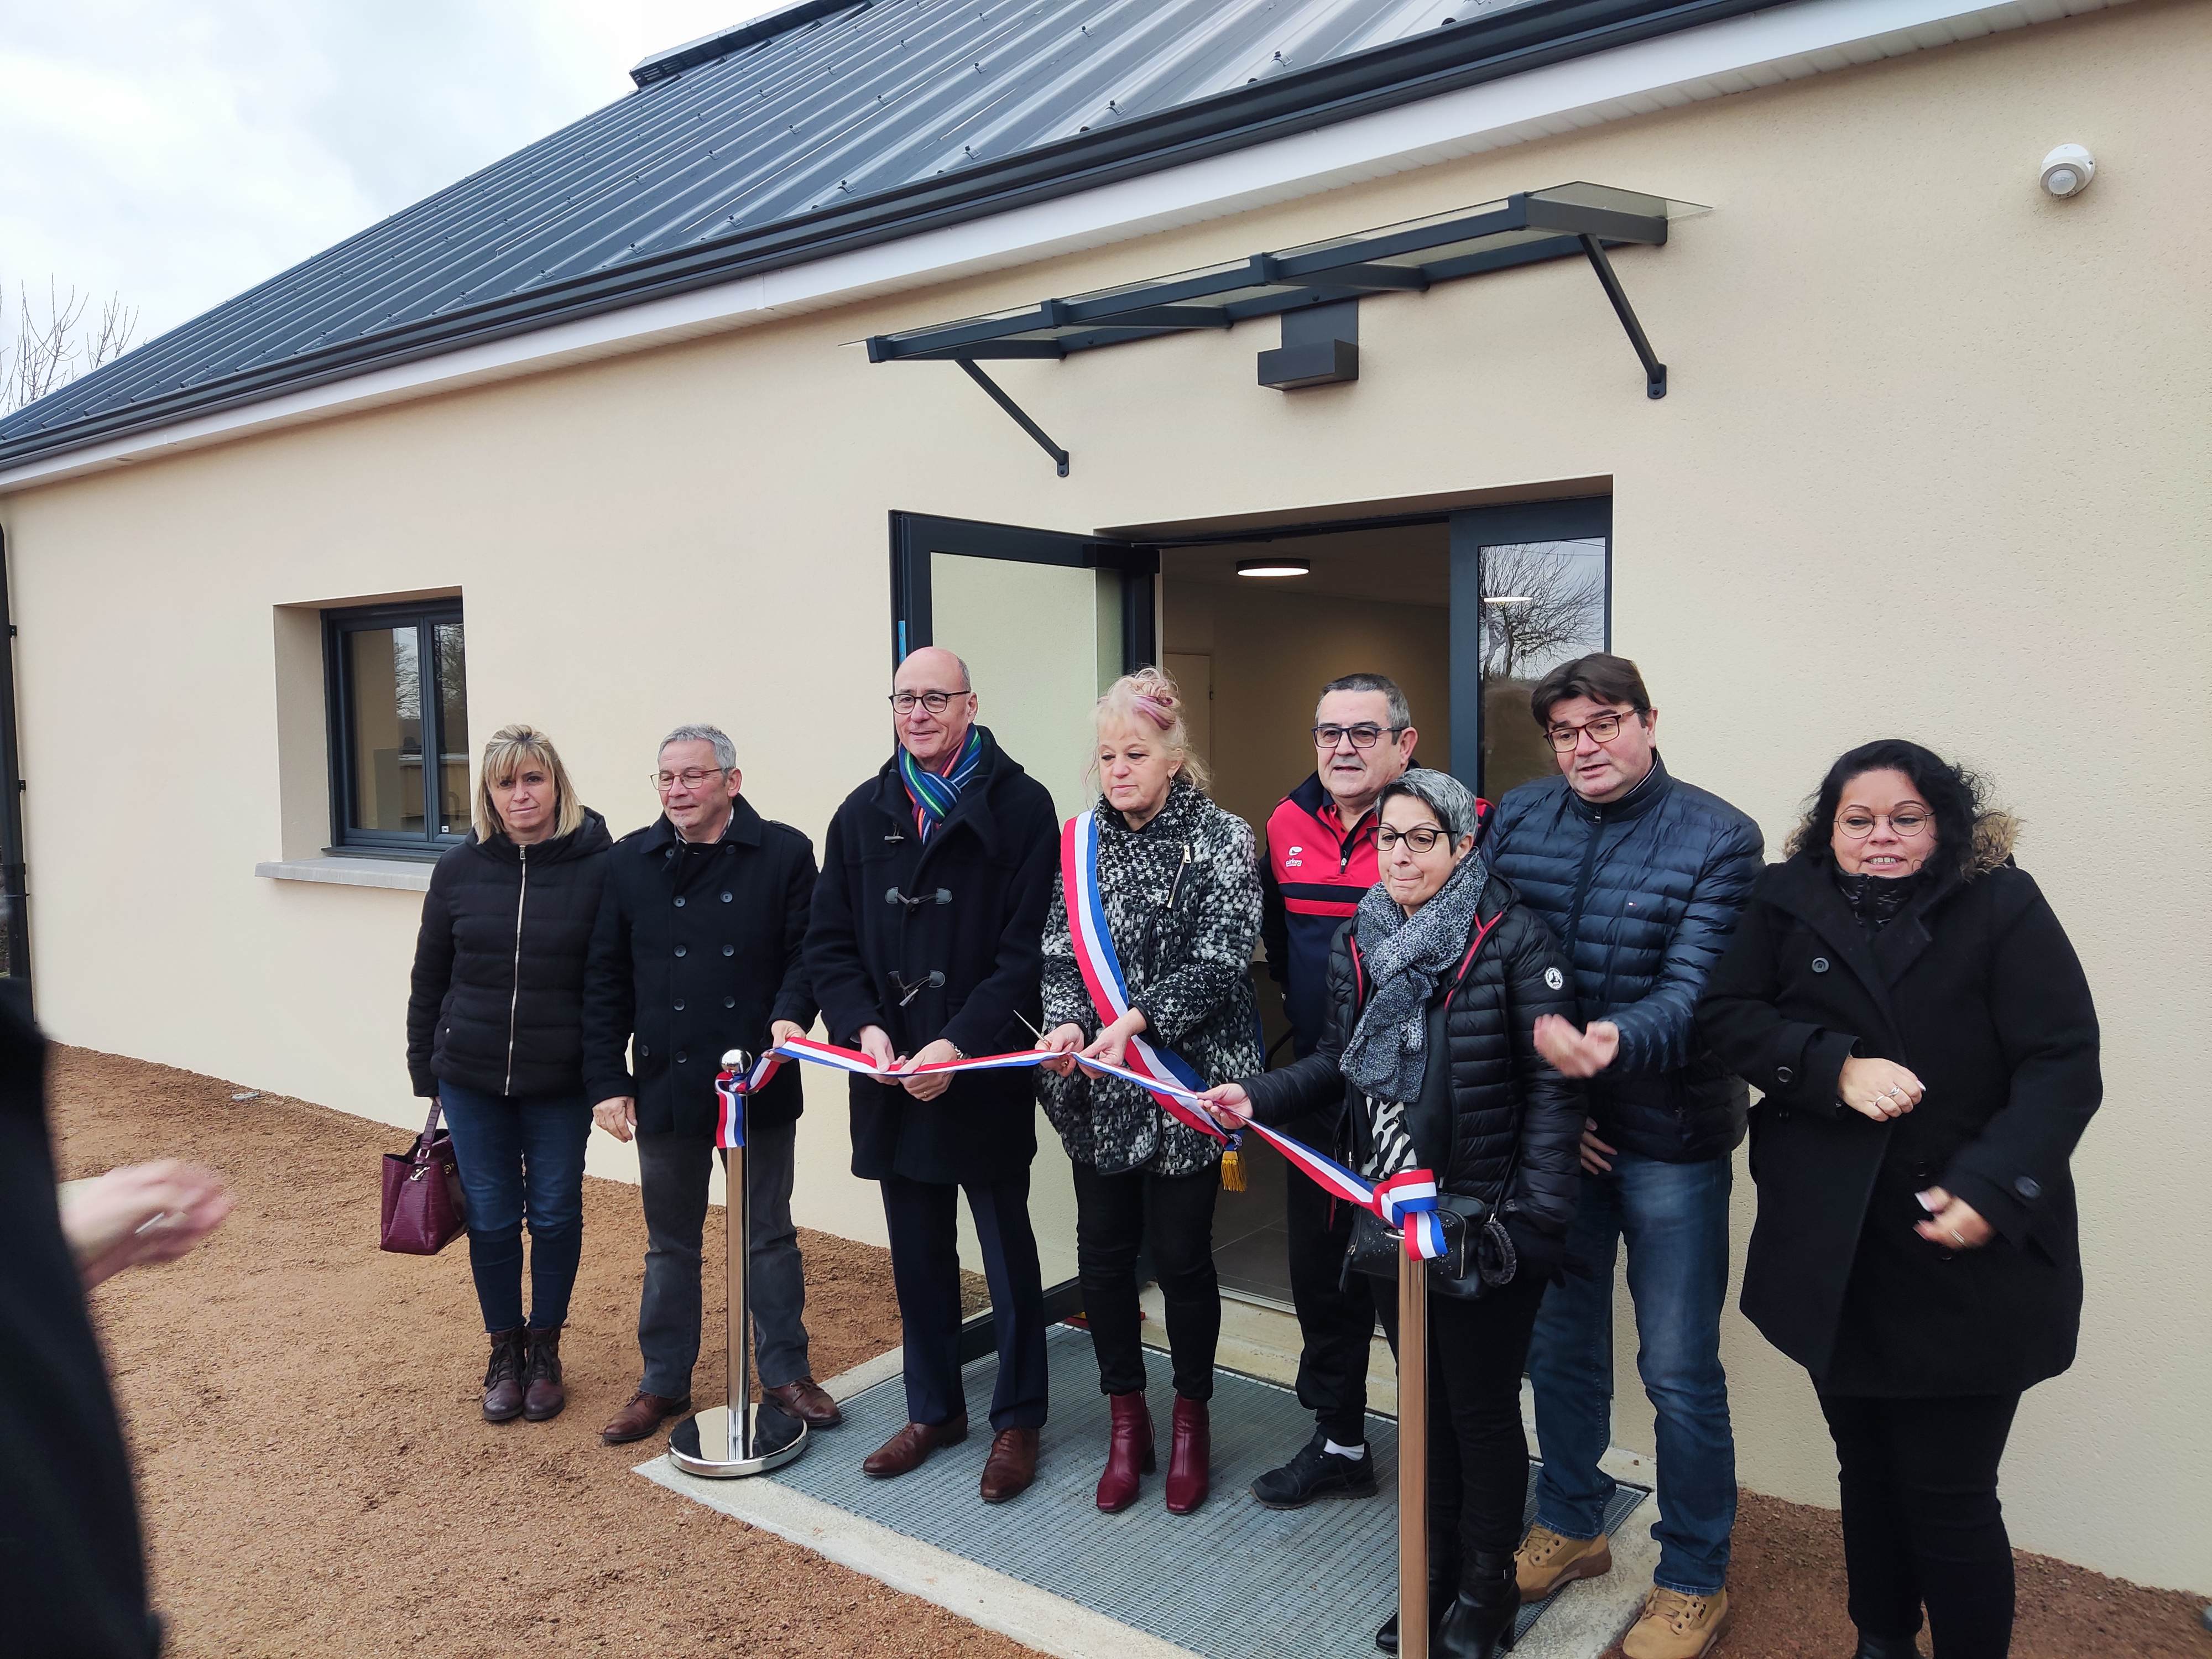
x: 1234, y: 1581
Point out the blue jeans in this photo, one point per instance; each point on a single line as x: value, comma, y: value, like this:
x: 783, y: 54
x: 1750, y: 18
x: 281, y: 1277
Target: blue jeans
x: 521, y: 1156
x: 1675, y: 1218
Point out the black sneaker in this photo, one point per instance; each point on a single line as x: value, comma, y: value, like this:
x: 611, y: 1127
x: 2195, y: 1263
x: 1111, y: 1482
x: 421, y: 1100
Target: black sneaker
x: 1315, y: 1472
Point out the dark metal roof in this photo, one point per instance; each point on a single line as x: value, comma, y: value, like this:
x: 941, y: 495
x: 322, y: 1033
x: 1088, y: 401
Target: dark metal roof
x: 820, y: 129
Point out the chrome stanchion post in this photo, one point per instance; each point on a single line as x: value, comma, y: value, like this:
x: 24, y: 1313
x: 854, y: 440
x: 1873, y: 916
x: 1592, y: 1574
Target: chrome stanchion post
x: 738, y: 1439
x: 1412, y: 1458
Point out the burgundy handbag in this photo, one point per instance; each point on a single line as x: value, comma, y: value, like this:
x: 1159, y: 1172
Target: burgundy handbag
x: 423, y: 1208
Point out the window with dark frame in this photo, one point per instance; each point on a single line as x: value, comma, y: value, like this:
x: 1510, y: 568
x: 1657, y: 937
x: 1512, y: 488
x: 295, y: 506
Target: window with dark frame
x: 397, y: 692
x: 1544, y: 604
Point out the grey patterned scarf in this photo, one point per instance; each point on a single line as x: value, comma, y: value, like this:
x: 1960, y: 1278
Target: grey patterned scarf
x: 1406, y: 957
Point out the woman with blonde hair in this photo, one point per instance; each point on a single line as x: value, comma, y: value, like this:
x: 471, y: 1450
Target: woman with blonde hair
x: 495, y: 1033
x: 1154, y: 971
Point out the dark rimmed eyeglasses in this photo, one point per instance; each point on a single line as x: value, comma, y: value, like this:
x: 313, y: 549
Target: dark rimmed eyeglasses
x: 936, y: 701
x: 1602, y: 729
x: 1365, y: 735
x: 1422, y: 838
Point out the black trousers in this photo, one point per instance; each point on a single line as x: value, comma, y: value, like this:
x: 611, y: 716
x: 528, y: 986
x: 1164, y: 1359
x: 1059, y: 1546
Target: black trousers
x: 1478, y: 1452
x: 1116, y: 1216
x: 925, y: 1272
x: 1921, y: 1518
x: 1336, y: 1312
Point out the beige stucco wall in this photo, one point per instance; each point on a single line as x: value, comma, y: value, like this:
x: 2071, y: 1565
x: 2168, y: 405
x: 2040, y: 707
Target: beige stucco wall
x: 1932, y: 463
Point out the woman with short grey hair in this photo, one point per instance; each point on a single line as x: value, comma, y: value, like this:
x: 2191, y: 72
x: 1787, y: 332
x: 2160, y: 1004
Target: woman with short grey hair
x: 1434, y: 987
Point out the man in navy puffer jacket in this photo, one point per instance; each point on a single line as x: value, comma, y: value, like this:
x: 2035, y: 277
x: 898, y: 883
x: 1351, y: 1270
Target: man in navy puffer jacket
x: 1642, y: 877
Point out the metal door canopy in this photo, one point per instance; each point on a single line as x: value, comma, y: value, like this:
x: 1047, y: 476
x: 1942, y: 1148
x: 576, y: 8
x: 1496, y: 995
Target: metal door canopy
x: 1523, y: 229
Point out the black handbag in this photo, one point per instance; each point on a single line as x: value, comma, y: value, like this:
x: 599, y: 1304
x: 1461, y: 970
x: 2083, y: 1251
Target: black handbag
x: 1479, y: 1256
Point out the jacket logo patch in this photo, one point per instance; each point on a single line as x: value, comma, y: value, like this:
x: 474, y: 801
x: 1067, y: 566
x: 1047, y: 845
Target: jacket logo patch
x: 1555, y: 979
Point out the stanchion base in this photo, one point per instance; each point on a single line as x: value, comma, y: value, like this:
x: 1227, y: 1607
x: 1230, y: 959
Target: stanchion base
x: 700, y: 1446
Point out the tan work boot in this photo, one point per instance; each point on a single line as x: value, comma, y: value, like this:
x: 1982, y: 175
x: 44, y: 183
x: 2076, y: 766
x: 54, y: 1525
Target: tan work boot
x: 1546, y: 1562
x: 1673, y: 1626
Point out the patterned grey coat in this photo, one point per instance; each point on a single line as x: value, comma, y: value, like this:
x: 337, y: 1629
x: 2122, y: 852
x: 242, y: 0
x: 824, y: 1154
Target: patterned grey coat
x: 1182, y: 902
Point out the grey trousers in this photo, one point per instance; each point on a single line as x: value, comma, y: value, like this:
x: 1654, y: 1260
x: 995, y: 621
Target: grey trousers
x: 673, y: 1170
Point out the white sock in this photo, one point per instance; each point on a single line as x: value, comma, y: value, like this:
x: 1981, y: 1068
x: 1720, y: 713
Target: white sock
x: 1355, y: 1453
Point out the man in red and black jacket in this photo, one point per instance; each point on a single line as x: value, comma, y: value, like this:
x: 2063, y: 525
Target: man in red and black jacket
x: 1320, y: 861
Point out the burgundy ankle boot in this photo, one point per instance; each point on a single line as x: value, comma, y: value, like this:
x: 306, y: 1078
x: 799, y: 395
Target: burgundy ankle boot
x: 1188, y: 1455
x: 1128, y: 1452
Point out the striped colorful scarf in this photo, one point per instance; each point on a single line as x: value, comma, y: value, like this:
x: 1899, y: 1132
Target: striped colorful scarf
x: 934, y: 792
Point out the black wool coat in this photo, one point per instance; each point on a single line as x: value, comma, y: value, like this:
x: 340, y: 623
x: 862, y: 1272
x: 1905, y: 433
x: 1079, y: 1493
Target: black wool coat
x: 966, y: 909
x: 1508, y: 1129
x: 1643, y: 892
x: 1976, y: 989
x: 697, y: 951
x: 497, y: 998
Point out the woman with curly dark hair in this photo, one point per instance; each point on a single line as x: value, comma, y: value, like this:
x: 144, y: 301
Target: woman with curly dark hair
x: 1905, y: 997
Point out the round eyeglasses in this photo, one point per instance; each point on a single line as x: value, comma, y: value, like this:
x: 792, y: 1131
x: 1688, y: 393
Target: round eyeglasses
x: 1910, y: 821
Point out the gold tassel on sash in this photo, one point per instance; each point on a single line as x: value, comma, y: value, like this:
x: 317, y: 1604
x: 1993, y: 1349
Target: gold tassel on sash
x: 1232, y: 1172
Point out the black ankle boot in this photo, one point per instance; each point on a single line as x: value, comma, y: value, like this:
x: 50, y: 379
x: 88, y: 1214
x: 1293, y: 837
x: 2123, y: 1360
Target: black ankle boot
x: 1443, y: 1584
x: 1479, y: 1624
x: 1886, y: 1647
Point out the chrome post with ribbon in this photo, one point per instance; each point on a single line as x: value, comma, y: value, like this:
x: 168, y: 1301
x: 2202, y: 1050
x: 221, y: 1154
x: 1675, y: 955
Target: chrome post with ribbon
x: 739, y: 1437
x: 1413, y: 1457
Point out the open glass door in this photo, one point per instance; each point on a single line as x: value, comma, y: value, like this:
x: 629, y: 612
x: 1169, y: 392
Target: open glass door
x: 1045, y: 621
x: 1531, y: 588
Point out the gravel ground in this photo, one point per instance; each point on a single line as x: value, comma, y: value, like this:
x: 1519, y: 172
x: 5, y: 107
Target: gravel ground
x: 318, y: 1480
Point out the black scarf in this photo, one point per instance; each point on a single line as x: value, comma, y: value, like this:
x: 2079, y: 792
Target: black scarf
x: 1876, y: 900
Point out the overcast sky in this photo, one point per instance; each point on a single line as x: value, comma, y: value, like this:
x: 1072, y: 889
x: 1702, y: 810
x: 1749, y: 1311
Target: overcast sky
x: 179, y: 151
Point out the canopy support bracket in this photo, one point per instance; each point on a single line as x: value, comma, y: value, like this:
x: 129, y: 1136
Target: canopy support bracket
x: 997, y: 396
x: 1655, y: 372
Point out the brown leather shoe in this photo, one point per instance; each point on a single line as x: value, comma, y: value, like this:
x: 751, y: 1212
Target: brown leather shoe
x: 543, y: 1396
x: 809, y: 1401
x: 502, y: 1384
x: 644, y: 1413
x: 1011, y: 1464
x: 910, y: 1449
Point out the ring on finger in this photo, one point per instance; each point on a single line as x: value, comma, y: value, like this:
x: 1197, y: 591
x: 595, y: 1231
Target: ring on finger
x: 1955, y: 1239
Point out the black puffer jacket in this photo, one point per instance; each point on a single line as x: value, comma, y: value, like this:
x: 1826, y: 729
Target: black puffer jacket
x: 1643, y: 893
x: 497, y: 996
x: 1505, y: 1103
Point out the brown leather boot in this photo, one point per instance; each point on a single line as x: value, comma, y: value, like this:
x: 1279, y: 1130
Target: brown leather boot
x: 502, y: 1384
x: 543, y: 1396
x: 1128, y: 1451
x: 807, y: 1400
x: 1011, y: 1464
x: 1190, y: 1455
x: 910, y: 1449
x: 643, y: 1414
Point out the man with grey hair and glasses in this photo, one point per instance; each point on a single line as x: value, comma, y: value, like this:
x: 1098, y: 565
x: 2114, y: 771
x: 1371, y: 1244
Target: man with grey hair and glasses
x: 697, y: 950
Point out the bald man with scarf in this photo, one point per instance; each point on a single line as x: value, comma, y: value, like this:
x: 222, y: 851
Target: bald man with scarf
x: 926, y: 945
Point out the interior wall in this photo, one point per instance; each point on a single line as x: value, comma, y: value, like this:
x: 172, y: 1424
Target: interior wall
x: 1273, y: 648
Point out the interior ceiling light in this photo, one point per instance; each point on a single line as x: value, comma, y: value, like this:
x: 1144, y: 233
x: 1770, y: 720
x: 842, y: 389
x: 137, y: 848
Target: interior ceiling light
x: 1272, y: 568
x: 1511, y: 598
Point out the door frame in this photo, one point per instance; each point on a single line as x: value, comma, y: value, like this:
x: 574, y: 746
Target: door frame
x: 916, y: 536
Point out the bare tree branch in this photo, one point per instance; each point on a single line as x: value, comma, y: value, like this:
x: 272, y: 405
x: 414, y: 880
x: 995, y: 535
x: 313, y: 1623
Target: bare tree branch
x: 1537, y: 606
x: 41, y: 353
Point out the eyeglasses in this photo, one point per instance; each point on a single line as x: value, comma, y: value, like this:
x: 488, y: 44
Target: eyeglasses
x: 1910, y: 822
x: 936, y: 701
x: 690, y: 777
x: 1422, y: 839
x: 1602, y: 728
x: 1363, y: 736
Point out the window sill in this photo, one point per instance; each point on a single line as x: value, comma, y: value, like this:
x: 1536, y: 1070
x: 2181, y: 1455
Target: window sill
x: 409, y: 875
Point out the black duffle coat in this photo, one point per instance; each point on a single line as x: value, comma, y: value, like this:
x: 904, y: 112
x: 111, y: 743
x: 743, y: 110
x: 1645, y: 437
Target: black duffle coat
x: 496, y: 1001
x: 697, y: 951
x: 1975, y: 988
x: 942, y: 939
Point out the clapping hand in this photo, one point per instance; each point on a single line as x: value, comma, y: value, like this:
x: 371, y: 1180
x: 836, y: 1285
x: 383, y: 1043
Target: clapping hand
x: 1577, y: 1054
x: 144, y: 1213
x: 1951, y: 1222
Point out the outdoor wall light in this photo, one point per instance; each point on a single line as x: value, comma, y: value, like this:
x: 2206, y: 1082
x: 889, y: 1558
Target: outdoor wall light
x: 2067, y: 170
x: 1272, y: 568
